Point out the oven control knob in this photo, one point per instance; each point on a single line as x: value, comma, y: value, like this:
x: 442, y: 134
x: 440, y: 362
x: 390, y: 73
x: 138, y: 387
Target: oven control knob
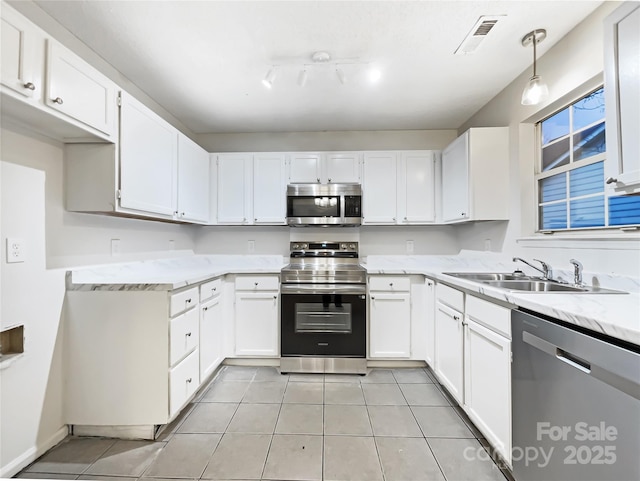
x: 304, y: 246
x: 352, y: 246
x: 296, y: 246
x: 343, y: 247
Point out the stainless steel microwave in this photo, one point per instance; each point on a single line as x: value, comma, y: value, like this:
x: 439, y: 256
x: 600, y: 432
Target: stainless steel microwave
x: 324, y: 204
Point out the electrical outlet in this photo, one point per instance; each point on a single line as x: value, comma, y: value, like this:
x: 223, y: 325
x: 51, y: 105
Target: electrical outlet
x: 115, y: 247
x: 251, y: 246
x: 15, y: 250
x: 409, y: 247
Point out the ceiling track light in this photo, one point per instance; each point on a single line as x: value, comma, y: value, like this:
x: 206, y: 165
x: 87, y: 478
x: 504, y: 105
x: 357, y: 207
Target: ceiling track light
x: 536, y: 90
x: 267, y: 81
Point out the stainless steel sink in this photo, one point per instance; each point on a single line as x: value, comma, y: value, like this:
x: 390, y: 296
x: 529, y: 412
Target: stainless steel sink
x: 535, y: 286
x: 523, y: 283
x: 488, y: 276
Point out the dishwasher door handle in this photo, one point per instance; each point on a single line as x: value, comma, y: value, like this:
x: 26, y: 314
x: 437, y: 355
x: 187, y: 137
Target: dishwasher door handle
x: 573, y: 360
x: 621, y: 383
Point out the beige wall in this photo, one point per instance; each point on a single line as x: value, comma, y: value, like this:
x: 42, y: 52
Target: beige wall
x: 310, y: 141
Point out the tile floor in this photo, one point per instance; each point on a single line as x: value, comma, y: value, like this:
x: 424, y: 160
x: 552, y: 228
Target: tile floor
x: 254, y: 423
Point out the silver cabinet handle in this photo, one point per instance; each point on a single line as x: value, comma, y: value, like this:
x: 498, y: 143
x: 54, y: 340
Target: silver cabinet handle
x: 189, y: 380
x: 373, y: 298
x: 205, y: 308
x: 188, y: 334
x: 405, y: 219
x: 610, y: 180
x: 57, y: 100
x: 275, y: 297
x: 182, y: 214
x: 390, y: 284
x: 188, y: 301
x: 329, y: 179
x: 462, y: 214
x: 214, y: 289
x: 456, y: 318
x: 255, y: 219
x: 29, y: 86
x: 255, y: 283
x: 394, y: 219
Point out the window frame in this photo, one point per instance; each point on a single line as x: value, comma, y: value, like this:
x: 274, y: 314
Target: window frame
x: 539, y: 174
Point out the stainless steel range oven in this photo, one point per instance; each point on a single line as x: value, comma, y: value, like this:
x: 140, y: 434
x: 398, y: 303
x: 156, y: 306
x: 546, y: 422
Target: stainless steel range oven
x: 323, y: 303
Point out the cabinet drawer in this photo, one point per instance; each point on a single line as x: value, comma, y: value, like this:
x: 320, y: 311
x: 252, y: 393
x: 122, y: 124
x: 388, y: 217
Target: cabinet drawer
x: 257, y: 283
x: 450, y: 297
x: 183, y: 335
x: 389, y: 283
x: 182, y: 301
x: 490, y: 315
x: 183, y: 382
x: 210, y: 289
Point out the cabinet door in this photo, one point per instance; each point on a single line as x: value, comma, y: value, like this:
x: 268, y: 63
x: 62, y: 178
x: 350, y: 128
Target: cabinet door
x: 622, y: 95
x: 379, y: 188
x: 304, y: 168
x: 269, y: 189
x: 487, y: 381
x: 455, y: 180
x: 390, y: 325
x: 234, y: 188
x: 211, y: 336
x: 257, y: 324
x: 193, y: 181
x: 342, y: 167
x: 18, y: 67
x: 416, y: 188
x: 449, y: 353
x: 148, y: 159
x: 78, y: 90
x: 430, y: 308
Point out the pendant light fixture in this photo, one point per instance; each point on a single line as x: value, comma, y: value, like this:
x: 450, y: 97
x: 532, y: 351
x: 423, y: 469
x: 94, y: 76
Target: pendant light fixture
x: 536, y: 90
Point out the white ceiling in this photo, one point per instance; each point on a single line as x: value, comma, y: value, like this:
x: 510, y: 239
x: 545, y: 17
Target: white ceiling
x: 203, y: 61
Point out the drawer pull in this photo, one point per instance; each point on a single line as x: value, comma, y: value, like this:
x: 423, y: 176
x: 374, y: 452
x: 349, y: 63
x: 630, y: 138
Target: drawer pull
x: 188, y: 301
x: 188, y: 334
x: 275, y: 297
x: 456, y: 318
x: 214, y: 289
x: 57, y: 100
x: 255, y: 283
x: 205, y: 308
x: 29, y: 86
x: 189, y: 380
x: 390, y: 284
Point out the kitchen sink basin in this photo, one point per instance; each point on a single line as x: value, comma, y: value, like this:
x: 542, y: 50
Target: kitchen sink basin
x: 536, y: 286
x: 489, y: 276
x: 523, y: 283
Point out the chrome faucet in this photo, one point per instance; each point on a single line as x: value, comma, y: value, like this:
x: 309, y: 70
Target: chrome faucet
x: 545, y: 271
x: 577, y: 272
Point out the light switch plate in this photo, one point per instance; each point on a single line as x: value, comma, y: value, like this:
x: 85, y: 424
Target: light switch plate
x: 15, y: 250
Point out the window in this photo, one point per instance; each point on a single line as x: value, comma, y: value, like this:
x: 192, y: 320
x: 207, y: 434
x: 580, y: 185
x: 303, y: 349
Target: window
x: 570, y: 179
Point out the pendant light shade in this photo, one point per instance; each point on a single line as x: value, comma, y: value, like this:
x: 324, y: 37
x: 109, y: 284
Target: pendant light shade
x: 536, y: 90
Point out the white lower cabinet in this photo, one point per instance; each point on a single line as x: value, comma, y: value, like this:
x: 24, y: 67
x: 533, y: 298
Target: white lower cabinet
x: 389, y: 317
x: 487, y: 372
x: 257, y: 316
x: 211, y: 328
x: 430, y: 321
x: 449, y: 349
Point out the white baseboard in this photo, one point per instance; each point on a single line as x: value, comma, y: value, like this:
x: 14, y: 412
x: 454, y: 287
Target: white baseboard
x: 31, y: 454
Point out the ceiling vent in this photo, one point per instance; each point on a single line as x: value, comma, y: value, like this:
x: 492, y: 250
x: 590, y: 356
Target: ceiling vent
x: 477, y: 34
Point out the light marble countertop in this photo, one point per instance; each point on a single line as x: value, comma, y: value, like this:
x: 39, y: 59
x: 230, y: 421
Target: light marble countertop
x: 616, y: 315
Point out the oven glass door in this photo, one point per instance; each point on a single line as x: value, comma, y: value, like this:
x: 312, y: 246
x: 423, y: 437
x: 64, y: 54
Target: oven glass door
x: 323, y: 325
x: 313, y: 206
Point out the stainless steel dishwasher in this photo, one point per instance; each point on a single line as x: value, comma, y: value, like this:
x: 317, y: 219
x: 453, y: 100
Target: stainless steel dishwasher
x: 576, y: 403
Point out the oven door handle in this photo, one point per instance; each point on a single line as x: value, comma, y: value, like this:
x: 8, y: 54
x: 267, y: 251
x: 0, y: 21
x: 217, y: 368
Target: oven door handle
x: 323, y: 289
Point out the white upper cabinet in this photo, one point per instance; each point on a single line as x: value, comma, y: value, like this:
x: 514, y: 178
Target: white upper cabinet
x: 475, y: 176
x: 325, y: 168
x: 234, y: 188
x: 76, y: 89
x: 269, y: 189
x: 416, y: 187
x: 193, y: 181
x: 379, y: 188
x: 51, y: 89
x: 148, y: 159
x: 399, y: 187
x: 622, y: 97
x: 341, y: 167
x: 305, y: 168
x: 19, y: 68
